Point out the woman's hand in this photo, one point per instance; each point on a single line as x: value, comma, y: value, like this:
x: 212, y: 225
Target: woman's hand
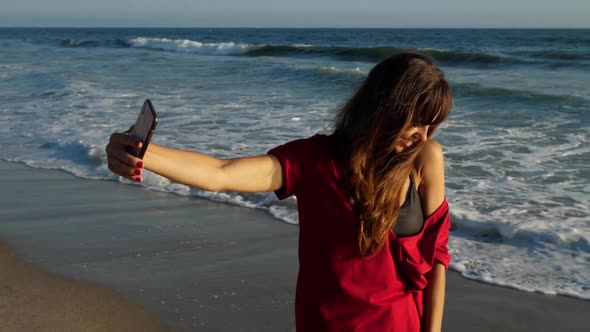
x: 120, y: 161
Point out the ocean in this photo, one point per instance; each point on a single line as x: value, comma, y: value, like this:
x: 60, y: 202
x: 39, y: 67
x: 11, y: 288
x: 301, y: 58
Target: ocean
x: 516, y: 144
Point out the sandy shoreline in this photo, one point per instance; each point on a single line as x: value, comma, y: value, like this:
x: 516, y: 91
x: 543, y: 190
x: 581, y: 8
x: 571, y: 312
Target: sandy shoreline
x: 128, y: 253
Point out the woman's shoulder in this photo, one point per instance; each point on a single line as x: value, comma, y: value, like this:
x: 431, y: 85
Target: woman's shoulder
x: 429, y: 160
x: 430, y: 177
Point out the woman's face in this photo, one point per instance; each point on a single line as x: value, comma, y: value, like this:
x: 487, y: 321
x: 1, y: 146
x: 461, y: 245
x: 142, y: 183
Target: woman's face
x: 412, y: 136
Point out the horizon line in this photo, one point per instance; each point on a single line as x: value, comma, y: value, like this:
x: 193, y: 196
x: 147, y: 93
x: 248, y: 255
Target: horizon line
x: 302, y: 28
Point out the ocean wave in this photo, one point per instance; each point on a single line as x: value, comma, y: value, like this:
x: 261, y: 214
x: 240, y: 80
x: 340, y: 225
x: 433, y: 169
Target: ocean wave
x: 553, y: 55
x: 373, y: 54
x: 363, y: 54
x: 475, y: 89
x: 466, y: 224
x: 342, y: 52
x: 191, y: 46
x: 90, y: 43
x: 317, y: 73
x: 72, y: 42
x: 120, y: 43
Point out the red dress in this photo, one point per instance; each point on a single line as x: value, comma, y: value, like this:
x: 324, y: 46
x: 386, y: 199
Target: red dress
x: 337, y: 290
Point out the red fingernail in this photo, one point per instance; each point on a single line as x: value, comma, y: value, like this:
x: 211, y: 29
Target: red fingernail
x: 138, y: 144
x: 137, y: 172
x: 137, y: 179
x: 139, y: 164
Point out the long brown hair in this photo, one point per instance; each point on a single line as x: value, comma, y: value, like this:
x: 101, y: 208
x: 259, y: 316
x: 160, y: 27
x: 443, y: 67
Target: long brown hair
x: 402, y: 91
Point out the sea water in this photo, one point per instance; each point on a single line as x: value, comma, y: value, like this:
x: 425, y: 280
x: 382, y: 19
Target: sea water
x: 516, y: 144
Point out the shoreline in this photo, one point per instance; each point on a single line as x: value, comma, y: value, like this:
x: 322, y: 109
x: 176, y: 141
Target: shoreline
x: 195, y: 265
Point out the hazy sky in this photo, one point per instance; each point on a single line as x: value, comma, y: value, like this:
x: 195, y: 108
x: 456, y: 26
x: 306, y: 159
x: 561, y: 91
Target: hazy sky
x: 296, y: 13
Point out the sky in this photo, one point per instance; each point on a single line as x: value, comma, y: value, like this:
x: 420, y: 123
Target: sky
x: 297, y: 13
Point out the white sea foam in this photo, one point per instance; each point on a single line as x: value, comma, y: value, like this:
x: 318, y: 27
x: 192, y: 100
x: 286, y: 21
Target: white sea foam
x: 355, y: 70
x: 191, y: 46
x: 523, y: 265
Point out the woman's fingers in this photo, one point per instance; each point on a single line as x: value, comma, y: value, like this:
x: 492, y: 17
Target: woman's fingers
x: 125, y: 140
x: 122, y: 169
x: 120, y: 153
x: 119, y: 145
x: 120, y: 161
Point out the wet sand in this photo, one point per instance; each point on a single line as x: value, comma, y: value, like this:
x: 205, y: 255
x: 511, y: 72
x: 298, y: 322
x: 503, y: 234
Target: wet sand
x: 34, y: 300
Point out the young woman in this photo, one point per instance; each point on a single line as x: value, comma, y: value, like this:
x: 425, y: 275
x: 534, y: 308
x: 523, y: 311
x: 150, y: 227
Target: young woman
x: 374, y: 221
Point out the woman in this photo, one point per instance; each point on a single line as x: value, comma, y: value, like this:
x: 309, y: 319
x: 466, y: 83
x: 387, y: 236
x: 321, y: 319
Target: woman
x: 374, y: 221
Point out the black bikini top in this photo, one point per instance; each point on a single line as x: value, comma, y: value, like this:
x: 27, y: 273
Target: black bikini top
x: 410, y: 219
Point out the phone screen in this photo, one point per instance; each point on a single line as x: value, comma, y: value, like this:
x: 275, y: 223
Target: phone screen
x: 144, y: 127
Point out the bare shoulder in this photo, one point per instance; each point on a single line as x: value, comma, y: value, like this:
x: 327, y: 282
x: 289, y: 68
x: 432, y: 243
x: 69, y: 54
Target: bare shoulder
x: 429, y: 160
x: 430, y: 176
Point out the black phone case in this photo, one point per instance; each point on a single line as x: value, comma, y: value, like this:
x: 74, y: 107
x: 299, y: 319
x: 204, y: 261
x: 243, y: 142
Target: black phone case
x: 139, y: 153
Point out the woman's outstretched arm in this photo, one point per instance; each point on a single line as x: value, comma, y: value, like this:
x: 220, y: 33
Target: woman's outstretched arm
x: 195, y: 169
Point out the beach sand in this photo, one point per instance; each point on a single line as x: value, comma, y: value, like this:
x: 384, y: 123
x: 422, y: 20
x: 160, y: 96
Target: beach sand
x: 102, y: 256
x: 34, y: 300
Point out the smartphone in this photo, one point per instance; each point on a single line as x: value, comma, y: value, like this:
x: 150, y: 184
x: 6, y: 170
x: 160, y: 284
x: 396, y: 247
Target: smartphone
x: 144, y: 127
